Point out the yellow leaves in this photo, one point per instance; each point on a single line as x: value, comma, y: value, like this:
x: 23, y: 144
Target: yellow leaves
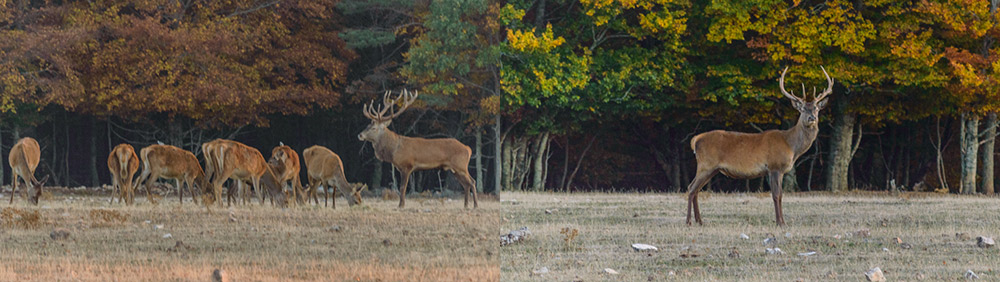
x: 528, y: 42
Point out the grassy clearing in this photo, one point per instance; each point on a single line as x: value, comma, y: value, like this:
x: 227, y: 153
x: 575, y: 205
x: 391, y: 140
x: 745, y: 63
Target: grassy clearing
x: 430, y: 240
x: 608, y: 224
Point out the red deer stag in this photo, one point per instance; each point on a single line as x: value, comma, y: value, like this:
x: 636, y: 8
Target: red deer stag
x: 751, y: 155
x: 408, y: 154
x: 288, y: 159
x: 326, y: 169
x: 242, y: 163
x: 123, y: 163
x: 24, y: 157
x: 171, y: 162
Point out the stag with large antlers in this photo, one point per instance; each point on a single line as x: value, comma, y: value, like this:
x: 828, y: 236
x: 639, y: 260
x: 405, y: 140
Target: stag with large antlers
x: 752, y: 155
x: 409, y: 154
x: 24, y: 158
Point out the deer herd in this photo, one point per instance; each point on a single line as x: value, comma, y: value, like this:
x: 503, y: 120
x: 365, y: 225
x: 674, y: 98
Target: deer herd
x: 276, y: 178
x: 739, y: 155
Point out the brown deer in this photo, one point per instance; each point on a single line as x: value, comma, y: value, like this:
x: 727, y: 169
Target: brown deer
x: 408, y: 154
x: 23, y: 158
x: 242, y: 163
x: 752, y: 155
x: 325, y: 168
x: 123, y: 163
x: 166, y: 161
x: 288, y: 159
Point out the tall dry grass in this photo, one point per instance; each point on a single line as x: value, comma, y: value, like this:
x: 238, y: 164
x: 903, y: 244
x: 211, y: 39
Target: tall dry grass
x: 433, y: 241
x: 828, y: 224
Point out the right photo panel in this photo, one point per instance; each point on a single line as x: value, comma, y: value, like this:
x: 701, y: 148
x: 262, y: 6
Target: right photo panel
x: 748, y: 140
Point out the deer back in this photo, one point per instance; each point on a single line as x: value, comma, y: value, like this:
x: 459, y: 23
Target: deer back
x: 743, y: 155
x: 170, y: 161
x: 25, y: 154
x: 432, y: 153
x: 322, y: 163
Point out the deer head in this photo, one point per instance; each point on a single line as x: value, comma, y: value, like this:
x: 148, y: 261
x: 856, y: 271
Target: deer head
x: 35, y: 191
x: 380, y: 122
x: 808, y: 111
x: 355, y: 197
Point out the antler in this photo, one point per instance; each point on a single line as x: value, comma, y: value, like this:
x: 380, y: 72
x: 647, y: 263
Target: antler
x: 387, y: 104
x: 829, y: 87
x: 781, y: 85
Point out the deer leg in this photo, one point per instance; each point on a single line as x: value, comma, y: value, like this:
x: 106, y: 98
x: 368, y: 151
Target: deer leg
x: 13, y: 188
x: 469, y: 184
x: 114, y: 187
x: 149, y: 181
x: 402, y: 188
x: 334, y: 195
x: 700, y: 179
x: 774, y: 178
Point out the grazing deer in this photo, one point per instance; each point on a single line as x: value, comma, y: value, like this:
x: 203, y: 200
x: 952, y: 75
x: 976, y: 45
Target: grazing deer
x: 408, y: 154
x: 288, y: 160
x: 751, y: 155
x: 325, y: 168
x: 23, y: 158
x: 123, y: 163
x: 166, y: 161
x: 242, y: 163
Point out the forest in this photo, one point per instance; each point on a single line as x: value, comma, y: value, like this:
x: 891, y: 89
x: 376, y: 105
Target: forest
x: 552, y: 95
x: 616, y: 89
x: 84, y: 76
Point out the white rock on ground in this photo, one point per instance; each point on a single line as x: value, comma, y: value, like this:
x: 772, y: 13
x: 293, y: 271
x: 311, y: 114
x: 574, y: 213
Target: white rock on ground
x: 984, y: 242
x: 806, y: 254
x: 540, y: 271
x: 971, y: 275
x: 610, y: 271
x: 774, y: 251
x: 744, y: 236
x: 514, y: 236
x: 644, y: 247
x: 167, y: 236
x: 875, y: 275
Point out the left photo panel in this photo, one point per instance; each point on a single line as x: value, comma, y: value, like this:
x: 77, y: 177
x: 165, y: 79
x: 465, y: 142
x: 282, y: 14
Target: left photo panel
x: 250, y: 140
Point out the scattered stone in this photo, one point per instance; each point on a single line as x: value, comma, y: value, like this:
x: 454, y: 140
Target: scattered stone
x: 158, y: 226
x: 800, y: 279
x: 551, y: 211
x: 788, y: 234
x: 770, y: 241
x: 734, y: 253
x: 885, y: 249
x: 540, y: 271
x: 875, y: 275
x: 219, y: 275
x: 899, y: 241
x: 984, y: 242
x: 147, y: 221
x: 962, y: 236
x: 836, y: 236
x: 806, y: 254
x: 635, y: 215
x: 335, y: 228
x: 921, y: 276
x: 179, y: 246
x: 671, y: 273
x: 744, y: 236
x: 971, y: 275
x: 774, y: 251
x: 610, y: 271
x: 167, y: 236
x: 386, y: 242
x: 643, y: 247
x: 906, y: 246
x: 59, y: 234
x: 514, y: 236
x: 687, y: 252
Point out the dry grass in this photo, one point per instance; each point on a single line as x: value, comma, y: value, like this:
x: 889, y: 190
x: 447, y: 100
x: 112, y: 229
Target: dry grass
x: 375, y: 242
x: 827, y: 224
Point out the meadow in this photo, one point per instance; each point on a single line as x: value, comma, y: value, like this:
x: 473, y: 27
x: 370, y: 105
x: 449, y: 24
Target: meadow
x: 433, y: 239
x: 910, y: 236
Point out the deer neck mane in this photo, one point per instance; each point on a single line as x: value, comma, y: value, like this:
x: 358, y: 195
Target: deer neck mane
x: 800, y: 137
x: 386, y: 145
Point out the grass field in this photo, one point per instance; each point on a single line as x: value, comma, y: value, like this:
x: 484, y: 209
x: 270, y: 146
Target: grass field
x: 430, y: 240
x: 850, y: 234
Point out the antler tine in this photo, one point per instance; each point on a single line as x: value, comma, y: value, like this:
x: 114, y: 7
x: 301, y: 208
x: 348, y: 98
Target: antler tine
x: 366, y: 112
x: 829, y: 87
x: 385, y: 106
x: 408, y: 99
x: 781, y: 85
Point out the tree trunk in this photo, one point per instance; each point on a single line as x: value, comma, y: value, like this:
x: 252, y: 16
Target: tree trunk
x: 789, y: 182
x: 839, y: 158
x: 2, y: 156
x: 376, y: 181
x: 507, y: 169
x: 569, y: 182
x: 94, y: 178
x: 565, y: 173
x: 497, y: 157
x: 970, y: 152
x: 538, y: 168
x: 175, y: 138
x: 987, y: 155
x: 479, y: 160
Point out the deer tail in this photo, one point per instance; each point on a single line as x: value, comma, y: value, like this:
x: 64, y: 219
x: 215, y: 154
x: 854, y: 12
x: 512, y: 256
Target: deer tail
x: 694, y: 143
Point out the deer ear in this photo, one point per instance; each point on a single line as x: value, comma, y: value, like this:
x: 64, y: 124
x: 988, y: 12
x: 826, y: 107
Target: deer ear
x: 797, y: 104
x: 822, y: 103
